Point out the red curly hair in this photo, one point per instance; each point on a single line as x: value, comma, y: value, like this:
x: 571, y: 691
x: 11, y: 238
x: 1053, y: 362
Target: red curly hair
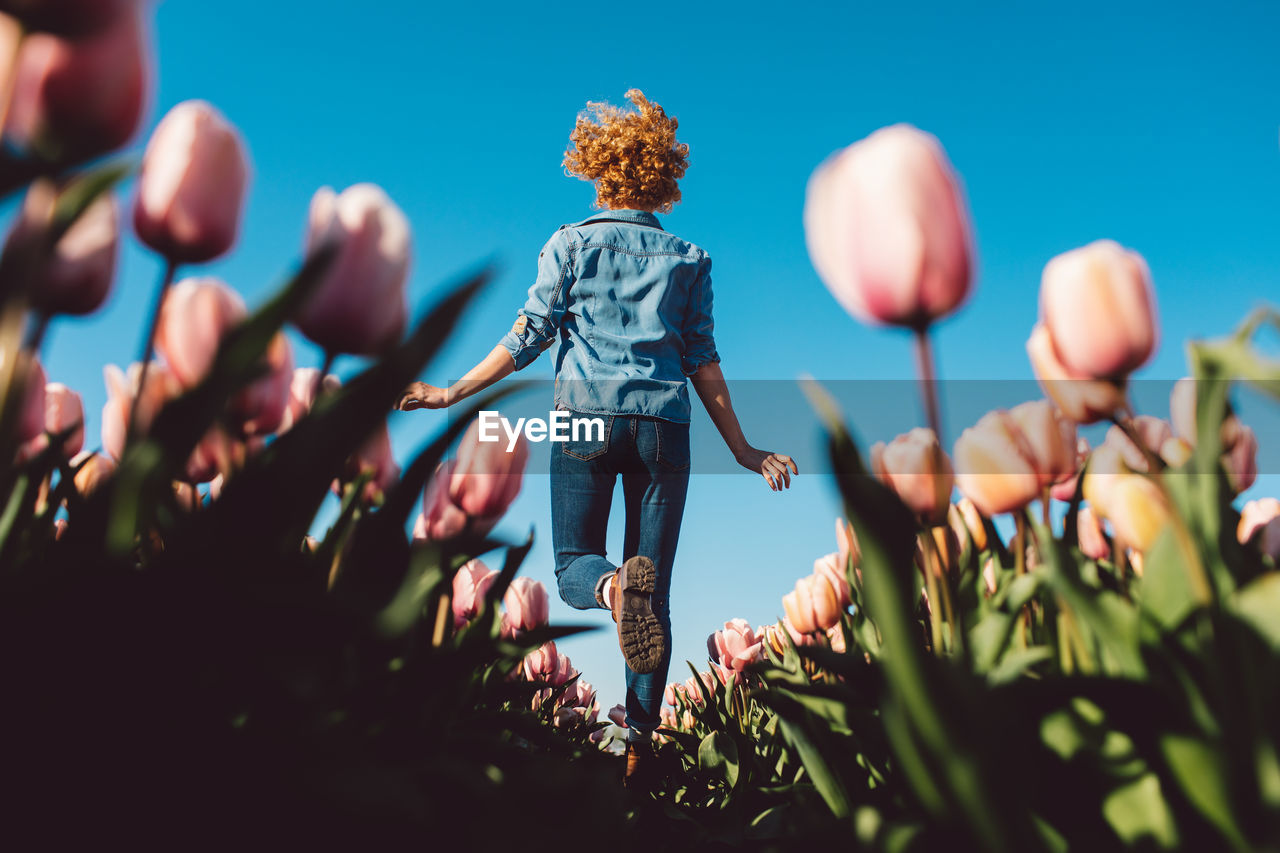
x: 633, y: 157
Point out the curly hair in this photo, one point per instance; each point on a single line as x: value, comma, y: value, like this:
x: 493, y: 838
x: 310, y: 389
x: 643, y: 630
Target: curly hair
x: 633, y: 158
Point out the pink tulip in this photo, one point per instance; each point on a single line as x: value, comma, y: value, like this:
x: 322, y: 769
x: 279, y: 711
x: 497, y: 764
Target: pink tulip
x: 374, y: 457
x: 541, y: 663
x: 1007, y: 459
x: 75, y: 98
x: 1083, y: 399
x: 527, y: 604
x: 671, y: 693
x: 215, y: 455
x: 75, y: 275
x: 63, y: 409
x: 473, y: 490
x: 918, y: 470
x: 1066, y: 489
x: 192, y: 185
x: 359, y: 306
x: 618, y: 716
x: 848, y: 552
x: 302, y: 394
x: 1093, y: 541
x: 260, y: 408
x: 888, y: 229
x: 735, y: 645
x: 161, y: 387
x: 832, y: 568
x: 470, y: 586
x: 1097, y: 305
x: 1260, y: 522
x: 1239, y: 443
x: 1151, y: 431
x: 197, y: 314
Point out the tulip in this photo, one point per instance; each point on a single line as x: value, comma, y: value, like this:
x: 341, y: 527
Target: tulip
x: 1182, y: 409
x: 359, y: 305
x: 968, y: 522
x: 735, y: 646
x: 1080, y: 398
x: 618, y: 716
x: 813, y: 605
x: 470, y: 586
x: 1240, y: 454
x: 302, y: 394
x: 374, y: 457
x: 1097, y: 306
x: 833, y: 570
x: 672, y: 693
x: 997, y: 468
x: 1093, y: 541
x: 1260, y: 523
x: 888, y: 230
x: 192, y: 185
x: 1065, y: 490
x: 667, y: 718
x: 1239, y: 443
x: 76, y: 98
x: 74, y: 275
x: 1152, y: 432
x: 196, y: 315
x: 989, y: 576
x: 260, y: 409
x: 473, y: 490
x: 835, y: 639
x: 849, y: 553
x: 66, y: 17
x: 30, y: 375
x: 916, y: 468
x: 946, y: 541
x: 63, y: 409
x: 161, y: 386
x: 92, y: 470
x: 526, y: 603
x: 1136, y: 507
x: 541, y: 663
x: 214, y: 456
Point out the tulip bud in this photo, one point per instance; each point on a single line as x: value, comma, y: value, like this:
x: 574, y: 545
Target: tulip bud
x: 1093, y: 541
x: 1260, y: 523
x: 475, y: 488
x: 1097, y: 306
x: 541, y: 663
x: 375, y: 457
x: 971, y: 524
x: 833, y: 569
x: 74, y: 275
x: 848, y: 551
x: 303, y: 386
x: 735, y: 646
x: 470, y: 586
x: 916, y: 468
x: 1080, y: 398
x: 359, y: 305
x: 196, y: 315
x: 161, y: 387
x: 618, y: 716
x: 1001, y: 468
x: 441, y: 518
x: 1136, y: 507
x: 63, y: 409
x: 77, y: 98
x: 1240, y: 454
x: 92, y: 470
x: 527, y: 604
x: 813, y: 605
x: 192, y: 185
x: 888, y: 230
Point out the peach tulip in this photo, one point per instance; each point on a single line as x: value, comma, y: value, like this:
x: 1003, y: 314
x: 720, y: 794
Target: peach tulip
x: 813, y: 605
x: 75, y: 98
x: 1065, y: 490
x: 888, y: 229
x: 1093, y: 541
x: 1136, y: 507
x: 735, y: 645
x: 915, y: 466
x: 1083, y: 399
x: 848, y: 552
x: 995, y: 465
x: 968, y: 523
x: 470, y: 586
x: 833, y: 569
x: 527, y: 604
x: 92, y: 471
x: 74, y: 275
x: 1260, y: 523
x: 192, y: 185
x: 1097, y: 305
x: 1151, y: 431
x: 359, y: 306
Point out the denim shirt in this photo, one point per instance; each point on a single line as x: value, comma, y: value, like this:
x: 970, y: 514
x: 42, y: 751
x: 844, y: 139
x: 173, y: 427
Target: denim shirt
x: 630, y: 305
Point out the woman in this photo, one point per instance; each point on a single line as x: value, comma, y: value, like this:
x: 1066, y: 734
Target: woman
x: 631, y: 307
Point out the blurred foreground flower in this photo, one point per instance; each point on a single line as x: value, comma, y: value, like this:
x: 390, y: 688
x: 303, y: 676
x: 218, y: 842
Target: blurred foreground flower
x: 918, y: 470
x: 1009, y: 458
x: 526, y: 603
x: 1136, y: 507
x: 470, y: 585
x: 1260, y: 522
x: 473, y: 490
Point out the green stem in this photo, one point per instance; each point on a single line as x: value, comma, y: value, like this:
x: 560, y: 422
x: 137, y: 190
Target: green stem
x: 928, y: 381
x: 149, y: 348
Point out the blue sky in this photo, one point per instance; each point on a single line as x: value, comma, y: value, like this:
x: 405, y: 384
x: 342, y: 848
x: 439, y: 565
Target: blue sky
x: 1153, y: 124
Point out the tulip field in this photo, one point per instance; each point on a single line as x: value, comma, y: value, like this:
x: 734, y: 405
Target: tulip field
x: 1018, y: 641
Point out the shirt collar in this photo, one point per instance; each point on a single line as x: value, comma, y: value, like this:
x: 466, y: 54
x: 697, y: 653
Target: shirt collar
x: 638, y: 217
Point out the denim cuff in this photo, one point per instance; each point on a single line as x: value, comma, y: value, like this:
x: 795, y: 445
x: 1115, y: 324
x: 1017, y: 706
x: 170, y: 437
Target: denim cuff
x: 691, y: 364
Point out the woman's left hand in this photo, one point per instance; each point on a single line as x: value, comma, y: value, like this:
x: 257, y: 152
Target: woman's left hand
x: 776, y: 468
x: 420, y: 395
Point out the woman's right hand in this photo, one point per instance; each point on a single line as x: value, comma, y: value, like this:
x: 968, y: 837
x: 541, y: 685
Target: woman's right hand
x: 776, y: 468
x: 420, y: 395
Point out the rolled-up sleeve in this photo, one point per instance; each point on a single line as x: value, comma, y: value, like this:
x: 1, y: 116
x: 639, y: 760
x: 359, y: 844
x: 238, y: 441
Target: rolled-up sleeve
x: 699, y: 327
x: 538, y: 321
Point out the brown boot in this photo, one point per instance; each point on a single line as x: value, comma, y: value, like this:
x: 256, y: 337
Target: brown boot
x: 639, y: 772
x: 639, y: 632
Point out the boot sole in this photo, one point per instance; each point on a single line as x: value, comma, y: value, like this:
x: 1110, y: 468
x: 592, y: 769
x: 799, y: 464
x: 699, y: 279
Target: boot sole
x: 639, y: 632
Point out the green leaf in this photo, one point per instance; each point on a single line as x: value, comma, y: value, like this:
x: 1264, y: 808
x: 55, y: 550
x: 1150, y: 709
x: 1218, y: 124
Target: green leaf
x: 826, y: 781
x: 718, y: 754
x: 1198, y: 769
x: 1166, y: 592
x: 1138, y: 811
x: 1258, y: 604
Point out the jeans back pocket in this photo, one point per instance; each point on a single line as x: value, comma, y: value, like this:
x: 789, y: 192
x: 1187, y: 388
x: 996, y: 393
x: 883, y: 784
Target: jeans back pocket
x: 587, y: 438
x: 673, y: 444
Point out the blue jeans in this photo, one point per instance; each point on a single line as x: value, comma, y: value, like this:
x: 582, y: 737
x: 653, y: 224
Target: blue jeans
x: 652, y: 455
